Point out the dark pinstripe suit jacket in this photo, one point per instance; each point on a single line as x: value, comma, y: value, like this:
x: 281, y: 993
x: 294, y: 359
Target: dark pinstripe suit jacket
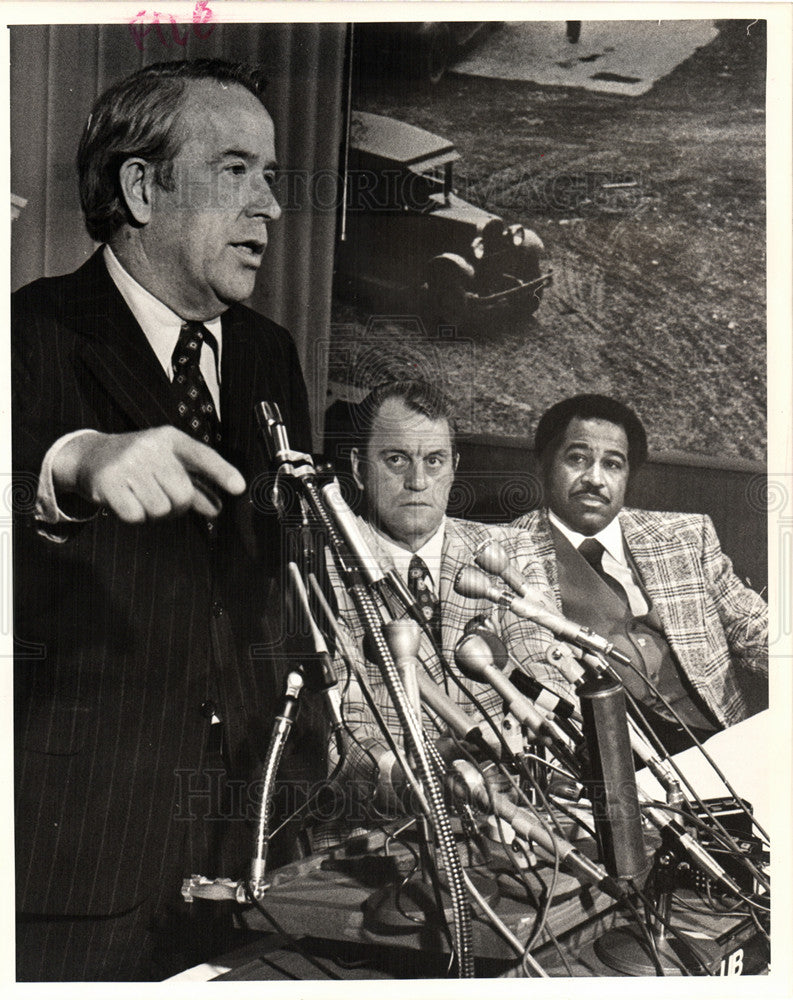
x: 124, y: 631
x: 716, y: 626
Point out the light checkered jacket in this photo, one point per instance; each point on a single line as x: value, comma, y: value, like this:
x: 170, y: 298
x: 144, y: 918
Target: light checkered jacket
x: 714, y: 624
x: 527, y: 642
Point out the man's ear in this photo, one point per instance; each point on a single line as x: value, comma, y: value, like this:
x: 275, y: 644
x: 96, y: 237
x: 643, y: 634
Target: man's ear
x: 136, y: 177
x: 356, y: 461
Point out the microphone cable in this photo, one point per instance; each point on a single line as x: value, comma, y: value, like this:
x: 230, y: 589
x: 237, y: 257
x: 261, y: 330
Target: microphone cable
x: 295, y: 944
x: 695, y: 742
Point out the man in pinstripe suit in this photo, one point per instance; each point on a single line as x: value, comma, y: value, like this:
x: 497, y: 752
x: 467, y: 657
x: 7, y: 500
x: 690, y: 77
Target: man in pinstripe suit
x: 657, y: 584
x: 405, y: 465
x: 146, y: 572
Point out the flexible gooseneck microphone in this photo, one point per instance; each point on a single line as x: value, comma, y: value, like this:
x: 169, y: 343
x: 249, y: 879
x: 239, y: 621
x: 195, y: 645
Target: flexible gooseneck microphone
x: 472, y: 582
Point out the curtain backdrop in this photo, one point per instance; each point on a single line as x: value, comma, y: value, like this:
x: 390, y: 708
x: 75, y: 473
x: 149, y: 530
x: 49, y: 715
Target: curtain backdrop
x: 58, y: 70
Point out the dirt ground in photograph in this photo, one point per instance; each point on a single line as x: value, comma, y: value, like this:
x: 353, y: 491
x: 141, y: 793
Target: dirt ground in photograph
x: 659, y: 286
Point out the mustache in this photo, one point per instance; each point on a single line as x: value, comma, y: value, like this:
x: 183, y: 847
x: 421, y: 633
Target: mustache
x: 598, y: 494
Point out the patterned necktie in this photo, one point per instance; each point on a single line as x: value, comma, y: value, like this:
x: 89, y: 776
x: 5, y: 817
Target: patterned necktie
x: 420, y: 586
x: 197, y: 414
x: 592, y: 550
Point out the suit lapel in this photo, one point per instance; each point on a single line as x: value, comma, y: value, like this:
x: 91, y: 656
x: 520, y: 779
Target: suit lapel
x: 671, y: 578
x: 114, y: 349
x: 539, y: 529
x: 239, y: 378
x: 454, y: 555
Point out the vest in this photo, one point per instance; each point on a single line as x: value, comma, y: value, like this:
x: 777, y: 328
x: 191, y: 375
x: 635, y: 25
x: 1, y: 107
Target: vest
x: 588, y: 600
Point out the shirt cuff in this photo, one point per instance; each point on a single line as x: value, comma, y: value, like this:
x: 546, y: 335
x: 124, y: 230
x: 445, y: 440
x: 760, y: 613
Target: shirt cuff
x: 49, y: 514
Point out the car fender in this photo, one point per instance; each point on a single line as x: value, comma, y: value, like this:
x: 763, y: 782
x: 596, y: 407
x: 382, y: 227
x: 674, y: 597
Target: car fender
x: 451, y: 263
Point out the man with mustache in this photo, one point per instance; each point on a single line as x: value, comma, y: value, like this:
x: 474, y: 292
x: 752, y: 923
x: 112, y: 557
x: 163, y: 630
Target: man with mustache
x: 146, y: 576
x: 656, y: 584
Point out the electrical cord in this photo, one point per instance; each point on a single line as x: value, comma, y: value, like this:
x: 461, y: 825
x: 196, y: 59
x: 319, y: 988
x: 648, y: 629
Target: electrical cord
x: 287, y: 937
x: 696, y: 742
x: 717, y: 833
x: 652, y: 909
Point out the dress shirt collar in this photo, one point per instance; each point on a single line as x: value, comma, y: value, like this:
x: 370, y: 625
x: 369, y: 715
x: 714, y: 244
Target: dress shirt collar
x: 430, y: 552
x: 609, y: 537
x: 159, y: 323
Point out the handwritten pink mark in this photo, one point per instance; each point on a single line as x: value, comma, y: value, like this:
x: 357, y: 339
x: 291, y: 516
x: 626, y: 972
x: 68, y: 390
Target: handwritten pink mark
x: 143, y: 24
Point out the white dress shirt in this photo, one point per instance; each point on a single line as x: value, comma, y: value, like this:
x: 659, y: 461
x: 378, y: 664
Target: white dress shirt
x: 614, y: 562
x: 430, y: 552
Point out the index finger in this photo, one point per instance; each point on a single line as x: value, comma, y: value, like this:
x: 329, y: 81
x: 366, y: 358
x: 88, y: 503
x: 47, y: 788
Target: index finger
x: 200, y: 458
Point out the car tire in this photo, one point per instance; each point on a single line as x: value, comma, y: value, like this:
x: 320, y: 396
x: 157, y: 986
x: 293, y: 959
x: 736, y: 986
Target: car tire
x: 434, y: 51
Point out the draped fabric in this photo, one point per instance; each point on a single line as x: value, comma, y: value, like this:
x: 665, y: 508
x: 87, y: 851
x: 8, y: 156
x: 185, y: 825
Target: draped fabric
x: 58, y: 70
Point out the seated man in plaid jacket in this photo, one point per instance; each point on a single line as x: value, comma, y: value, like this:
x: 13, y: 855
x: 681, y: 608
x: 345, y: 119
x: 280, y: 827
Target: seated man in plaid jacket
x: 656, y: 584
x: 405, y: 465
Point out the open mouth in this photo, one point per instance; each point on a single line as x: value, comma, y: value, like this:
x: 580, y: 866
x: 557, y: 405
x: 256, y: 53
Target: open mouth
x: 250, y: 250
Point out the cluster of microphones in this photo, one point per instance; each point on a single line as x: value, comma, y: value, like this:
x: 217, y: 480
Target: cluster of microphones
x: 596, y: 743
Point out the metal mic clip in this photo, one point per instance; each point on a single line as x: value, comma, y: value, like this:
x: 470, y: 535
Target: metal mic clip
x: 276, y: 439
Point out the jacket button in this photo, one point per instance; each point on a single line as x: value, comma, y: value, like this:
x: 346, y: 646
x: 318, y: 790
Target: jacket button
x: 207, y: 709
x: 217, y: 609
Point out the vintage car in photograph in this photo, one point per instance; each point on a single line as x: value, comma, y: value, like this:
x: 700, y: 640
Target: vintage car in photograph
x: 405, y: 230
x: 416, y: 50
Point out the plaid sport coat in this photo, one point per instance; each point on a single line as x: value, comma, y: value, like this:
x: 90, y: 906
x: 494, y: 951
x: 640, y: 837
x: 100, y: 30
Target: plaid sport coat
x: 715, y: 625
x: 526, y: 641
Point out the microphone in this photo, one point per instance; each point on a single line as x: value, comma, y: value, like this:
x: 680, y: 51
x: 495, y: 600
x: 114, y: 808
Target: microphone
x: 458, y: 721
x: 543, y: 697
x: 276, y: 439
x: 283, y: 725
x: 347, y: 524
x: 491, y: 556
x: 474, y: 659
x: 524, y: 824
x: 403, y: 638
x: 611, y: 780
x: 473, y: 583
x: 483, y: 627
x: 323, y: 679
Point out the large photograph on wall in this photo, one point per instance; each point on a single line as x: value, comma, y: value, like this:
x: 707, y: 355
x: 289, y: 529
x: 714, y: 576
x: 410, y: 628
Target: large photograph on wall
x: 390, y: 500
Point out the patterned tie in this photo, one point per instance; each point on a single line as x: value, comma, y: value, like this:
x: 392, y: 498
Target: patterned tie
x: 420, y: 586
x: 592, y: 550
x: 197, y: 414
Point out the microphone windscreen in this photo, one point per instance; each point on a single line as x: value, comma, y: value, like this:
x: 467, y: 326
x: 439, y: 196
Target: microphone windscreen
x: 494, y: 644
x: 472, y: 582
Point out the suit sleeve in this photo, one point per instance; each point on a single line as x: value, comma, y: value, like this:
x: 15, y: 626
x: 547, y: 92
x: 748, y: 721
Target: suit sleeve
x: 46, y: 407
x: 743, y: 613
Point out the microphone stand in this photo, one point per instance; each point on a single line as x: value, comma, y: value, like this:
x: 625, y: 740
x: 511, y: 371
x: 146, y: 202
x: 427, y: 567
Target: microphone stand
x: 200, y: 887
x: 355, y: 562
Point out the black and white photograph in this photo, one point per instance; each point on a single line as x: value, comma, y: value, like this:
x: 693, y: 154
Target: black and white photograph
x: 398, y: 507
